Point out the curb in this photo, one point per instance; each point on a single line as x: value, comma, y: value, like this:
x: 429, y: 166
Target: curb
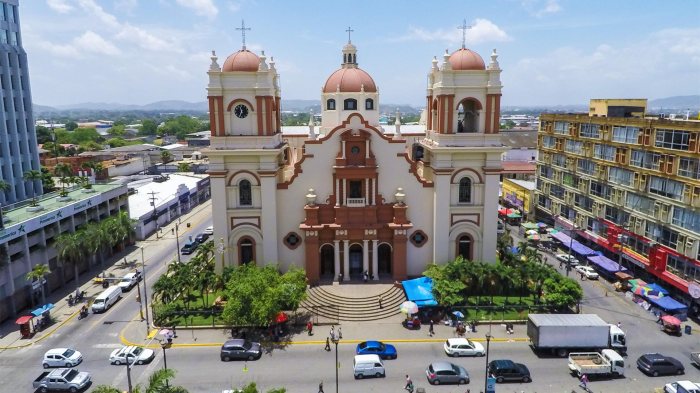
x: 48, y: 333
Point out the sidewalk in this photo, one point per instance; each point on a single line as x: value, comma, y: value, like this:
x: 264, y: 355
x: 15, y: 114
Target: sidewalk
x: 116, y: 266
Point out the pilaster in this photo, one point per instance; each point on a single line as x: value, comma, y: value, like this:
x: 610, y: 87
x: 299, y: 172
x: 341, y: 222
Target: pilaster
x: 441, y: 217
x: 268, y: 209
x: 311, y: 248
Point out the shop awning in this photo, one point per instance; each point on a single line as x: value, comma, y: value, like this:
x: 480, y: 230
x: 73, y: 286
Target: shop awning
x: 420, y: 291
x: 657, y: 287
x: 42, y: 309
x: 667, y: 303
x: 24, y: 319
x: 529, y: 225
x: 581, y: 249
x: 562, y: 237
x: 606, y: 263
x: 575, y: 245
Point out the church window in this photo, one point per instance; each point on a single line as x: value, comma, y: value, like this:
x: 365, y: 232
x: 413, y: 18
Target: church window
x: 350, y: 104
x: 369, y: 104
x: 355, y: 189
x: 330, y: 105
x: 246, y: 251
x: 465, y: 190
x: 292, y: 240
x: 464, y: 247
x: 245, y: 194
x: 355, y: 150
x: 418, y: 238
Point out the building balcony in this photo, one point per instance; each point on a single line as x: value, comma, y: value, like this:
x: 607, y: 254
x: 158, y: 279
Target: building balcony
x: 355, y: 202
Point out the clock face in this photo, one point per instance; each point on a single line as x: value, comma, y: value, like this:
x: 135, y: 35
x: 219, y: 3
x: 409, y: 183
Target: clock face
x: 241, y: 111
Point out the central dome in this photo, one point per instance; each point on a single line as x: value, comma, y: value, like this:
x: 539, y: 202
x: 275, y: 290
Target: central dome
x: 466, y: 59
x: 243, y: 60
x: 350, y: 80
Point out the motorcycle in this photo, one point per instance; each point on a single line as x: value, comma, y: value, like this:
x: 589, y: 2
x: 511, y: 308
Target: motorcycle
x: 71, y: 301
x: 83, y: 313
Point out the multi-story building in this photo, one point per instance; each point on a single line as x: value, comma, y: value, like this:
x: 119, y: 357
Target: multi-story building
x: 18, y: 147
x: 627, y: 181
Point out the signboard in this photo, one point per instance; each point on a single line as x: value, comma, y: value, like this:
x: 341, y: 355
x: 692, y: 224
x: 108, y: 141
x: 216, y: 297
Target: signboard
x: 491, y: 385
x: 694, y: 289
x: 38, y: 283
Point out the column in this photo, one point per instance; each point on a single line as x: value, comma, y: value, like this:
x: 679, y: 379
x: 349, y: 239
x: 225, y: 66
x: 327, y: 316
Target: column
x: 336, y: 257
x: 343, y: 149
x: 337, y: 193
x: 367, y: 194
x: 441, y: 219
x: 345, y: 192
x: 268, y: 191
x: 375, y: 260
x: 374, y: 191
x: 365, y: 256
x: 346, y: 260
x: 367, y: 148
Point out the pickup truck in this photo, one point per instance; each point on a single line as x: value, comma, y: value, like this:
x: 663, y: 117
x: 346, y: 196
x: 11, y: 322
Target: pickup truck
x: 62, y: 379
x: 695, y: 358
x: 606, y: 363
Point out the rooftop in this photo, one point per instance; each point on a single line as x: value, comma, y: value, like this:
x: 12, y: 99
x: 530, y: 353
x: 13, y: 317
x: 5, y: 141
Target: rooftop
x: 163, y: 192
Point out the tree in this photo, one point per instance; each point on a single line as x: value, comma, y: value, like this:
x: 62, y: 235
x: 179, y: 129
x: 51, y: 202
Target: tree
x: 70, y: 247
x: 64, y: 171
x: 166, y: 156
x: 43, y: 135
x: 253, y: 388
x: 561, y: 291
x: 157, y: 383
x: 33, y: 176
x: 96, y: 237
x: 71, y: 125
x: 117, y: 130
x: 448, y: 286
x: 4, y: 186
x: 38, y: 273
x: 47, y: 180
x: 183, y: 167
x: 116, y: 142
x: 181, y: 126
x: 95, y: 167
x: 148, y: 127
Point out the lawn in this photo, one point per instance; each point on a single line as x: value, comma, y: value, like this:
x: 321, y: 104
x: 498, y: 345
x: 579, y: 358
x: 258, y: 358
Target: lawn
x: 197, y: 315
x: 500, y: 309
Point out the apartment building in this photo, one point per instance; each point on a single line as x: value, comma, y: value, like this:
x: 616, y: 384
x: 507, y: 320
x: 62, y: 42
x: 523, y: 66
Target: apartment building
x: 626, y: 181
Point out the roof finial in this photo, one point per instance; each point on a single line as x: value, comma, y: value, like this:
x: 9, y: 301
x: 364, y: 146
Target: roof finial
x: 243, y: 29
x: 349, y: 30
x: 464, y: 29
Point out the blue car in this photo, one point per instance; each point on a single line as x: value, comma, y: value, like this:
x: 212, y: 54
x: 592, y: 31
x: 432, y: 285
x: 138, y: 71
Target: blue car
x: 385, y: 351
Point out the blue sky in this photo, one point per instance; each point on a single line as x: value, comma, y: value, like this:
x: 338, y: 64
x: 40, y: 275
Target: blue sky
x: 551, y: 51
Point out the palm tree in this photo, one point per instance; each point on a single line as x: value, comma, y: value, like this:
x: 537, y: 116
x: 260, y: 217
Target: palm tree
x: 157, y: 383
x: 32, y: 176
x: 106, y: 389
x: 166, y: 156
x: 38, y: 272
x: 183, y: 167
x: 70, y: 247
x: 165, y: 288
x: 95, y: 238
x: 64, y: 171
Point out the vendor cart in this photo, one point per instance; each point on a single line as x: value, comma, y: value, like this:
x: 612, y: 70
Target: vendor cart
x: 24, y: 323
x: 671, y: 325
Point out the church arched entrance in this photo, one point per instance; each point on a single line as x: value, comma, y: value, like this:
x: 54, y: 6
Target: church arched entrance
x: 355, y: 260
x: 384, y: 259
x: 468, y: 116
x: 327, y: 263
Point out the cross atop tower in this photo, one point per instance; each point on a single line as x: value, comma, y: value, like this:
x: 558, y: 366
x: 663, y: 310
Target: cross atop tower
x: 464, y: 29
x: 243, y: 29
x: 349, y: 30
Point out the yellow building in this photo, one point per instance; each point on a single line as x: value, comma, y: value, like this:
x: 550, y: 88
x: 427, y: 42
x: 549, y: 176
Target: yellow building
x: 623, y: 178
x: 518, y: 194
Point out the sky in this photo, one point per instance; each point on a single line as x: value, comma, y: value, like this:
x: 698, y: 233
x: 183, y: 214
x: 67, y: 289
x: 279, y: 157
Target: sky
x: 552, y: 52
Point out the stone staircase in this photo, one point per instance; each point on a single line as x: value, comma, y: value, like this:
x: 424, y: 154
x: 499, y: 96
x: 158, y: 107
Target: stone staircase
x: 331, y: 304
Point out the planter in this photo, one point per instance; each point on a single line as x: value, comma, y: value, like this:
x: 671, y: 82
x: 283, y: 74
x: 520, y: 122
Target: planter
x: 35, y: 208
x: 64, y: 198
x: 88, y: 190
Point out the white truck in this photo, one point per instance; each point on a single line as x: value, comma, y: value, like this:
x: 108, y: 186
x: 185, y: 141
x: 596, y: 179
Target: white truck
x: 62, y: 379
x: 606, y: 363
x: 561, y: 334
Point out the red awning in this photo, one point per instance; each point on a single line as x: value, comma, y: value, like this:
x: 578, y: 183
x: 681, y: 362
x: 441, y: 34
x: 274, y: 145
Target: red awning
x: 671, y: 320
x: 24, y: 319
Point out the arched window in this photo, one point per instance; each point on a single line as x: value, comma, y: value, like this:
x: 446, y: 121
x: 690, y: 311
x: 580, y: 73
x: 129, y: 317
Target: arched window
x: 464, y: 247
x: 246, y: 250
x: 369, y: 104
x: 245, y: 195
x: 465, y: 190
x: 330, y: 105
x: 350, y: 104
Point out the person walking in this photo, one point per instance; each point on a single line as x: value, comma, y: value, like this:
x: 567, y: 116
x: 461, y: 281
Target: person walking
x: 340, y: 333
x: 409, y: 384
x: 380, y: 301
x: 328, y: 345
x: 431, y: 330
x: 320, y: 387
x: 309, y: 327
x: 584, y: 382
x: 332, y: 332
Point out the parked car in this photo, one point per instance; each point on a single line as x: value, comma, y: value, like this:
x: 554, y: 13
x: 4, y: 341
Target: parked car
x: 189, y: 248
x: 239, y: 348
x: 209, y: 230
x: 62, y: 357
x: 564, y: 257
x: 507, y: 370
x: 682, y: 387
x: 446, y: 372
x: 656, y: 364
x: 201, y: 238
x: 129, y: 280
x: 131, y: 354
x: 587, y: 271
x: 385, y: 351
x: 463, y: 347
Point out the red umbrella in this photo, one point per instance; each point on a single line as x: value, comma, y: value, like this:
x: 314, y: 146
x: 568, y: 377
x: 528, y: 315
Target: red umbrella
x: 671, y: 320
x: 281, y: 317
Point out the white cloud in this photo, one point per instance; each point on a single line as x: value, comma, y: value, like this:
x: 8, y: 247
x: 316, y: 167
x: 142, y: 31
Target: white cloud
x: 93, y: 42
x: 540, y: 8
x: 233, y: 6
x: 146, y: 40
x: 105, y: 17
x: 60, y: 50
x: 200, y: 7
x: 483, y: 30
x: 126, y: 5
x: 60, y: 6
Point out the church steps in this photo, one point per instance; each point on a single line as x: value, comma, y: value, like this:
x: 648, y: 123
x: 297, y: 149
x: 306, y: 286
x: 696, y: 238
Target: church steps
x: 326, y: 304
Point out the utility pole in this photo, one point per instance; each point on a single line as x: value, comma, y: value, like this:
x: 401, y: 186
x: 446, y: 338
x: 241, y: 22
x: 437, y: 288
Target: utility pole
x: 145, y: 293
x: 155, y: 211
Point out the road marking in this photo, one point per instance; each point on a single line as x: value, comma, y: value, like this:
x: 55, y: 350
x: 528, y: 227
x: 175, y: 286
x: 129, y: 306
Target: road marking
x: 107, y: 346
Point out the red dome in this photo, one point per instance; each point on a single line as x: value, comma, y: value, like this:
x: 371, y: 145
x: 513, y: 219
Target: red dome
x: 466, y: 59
x: 350, y: 80
x: 243, y: 60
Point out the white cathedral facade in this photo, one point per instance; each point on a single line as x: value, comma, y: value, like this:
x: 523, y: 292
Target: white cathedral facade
x: 349, y: 196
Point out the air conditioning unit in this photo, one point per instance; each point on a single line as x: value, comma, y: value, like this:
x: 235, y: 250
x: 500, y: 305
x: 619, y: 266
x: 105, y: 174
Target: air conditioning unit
x: 689, y: 247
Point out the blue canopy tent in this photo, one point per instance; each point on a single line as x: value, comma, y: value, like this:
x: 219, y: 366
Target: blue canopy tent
x: 657, y: 287
x: 39, y: 311
x: 669, y: 305
x: 420, y: 291
x: 576, y: 246
x: 606, y: 264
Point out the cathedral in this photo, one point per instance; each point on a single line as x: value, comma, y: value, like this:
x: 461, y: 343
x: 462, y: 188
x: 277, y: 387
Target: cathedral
x: 349, y: 195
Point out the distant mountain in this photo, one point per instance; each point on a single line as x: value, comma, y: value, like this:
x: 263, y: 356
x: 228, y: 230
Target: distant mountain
x: 43, y: 108
x: 676, y: 102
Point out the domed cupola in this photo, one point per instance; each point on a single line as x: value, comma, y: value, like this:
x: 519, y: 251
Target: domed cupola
x: 350, y: 78
x: 465, y: 59
x: 243, y: 60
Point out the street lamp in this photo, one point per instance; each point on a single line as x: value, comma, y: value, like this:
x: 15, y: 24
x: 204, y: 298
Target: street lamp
x: 486, y: 371
x: 145, y: 292
x: 571, y: 245
x: 165, y: 345
x: 177, y: 240
x: 336, y: 339
x: 128, y: 372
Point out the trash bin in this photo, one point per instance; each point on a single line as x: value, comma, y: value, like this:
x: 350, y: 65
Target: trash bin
x: 688, y: 329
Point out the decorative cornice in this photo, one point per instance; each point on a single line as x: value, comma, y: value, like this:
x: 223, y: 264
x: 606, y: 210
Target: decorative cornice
x: 297, y: 171
x: 412, y: 169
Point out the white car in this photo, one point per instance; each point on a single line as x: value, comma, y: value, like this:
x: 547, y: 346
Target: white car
x: 209, y: 230
x: 129, y: 280
x: 463, y: 347
x: 142, y: 355
x: 682, y: 387
x: 564, y: 257
x: 62, y: 357
x: 587, y: 271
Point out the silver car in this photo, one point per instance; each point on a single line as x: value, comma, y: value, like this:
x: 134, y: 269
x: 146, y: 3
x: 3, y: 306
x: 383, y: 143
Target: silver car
x: 446, y: 372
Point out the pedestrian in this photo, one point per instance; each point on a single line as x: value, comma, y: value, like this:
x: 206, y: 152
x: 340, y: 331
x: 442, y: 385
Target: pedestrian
x: 328, y: 345
x: 380, y: 301
x: 584, y: 382
x: 309, y: 327
x: 365, y: 276
x: 619, y: 325
x: 320, y: 387
x: 409, y: 384
x: 332, y: 332
x: 340, y: 333
x: 431, y: 331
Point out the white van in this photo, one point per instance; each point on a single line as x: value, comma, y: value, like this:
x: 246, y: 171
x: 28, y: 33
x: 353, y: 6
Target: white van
x: 368, y: 366
x: 106, y: 299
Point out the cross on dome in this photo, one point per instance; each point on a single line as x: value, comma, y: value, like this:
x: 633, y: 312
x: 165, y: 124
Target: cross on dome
x: 349, y: 30
x: 464, y: 29
x: 243, y: 29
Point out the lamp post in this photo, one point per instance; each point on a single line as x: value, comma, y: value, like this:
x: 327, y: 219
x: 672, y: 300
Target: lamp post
x: 128, y: 373
x: 177, y: 241
x: 336, y: 339
x: 145, y: 292
x: 486, y: 369
x: 165, y: 345
x: 571, y: 244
